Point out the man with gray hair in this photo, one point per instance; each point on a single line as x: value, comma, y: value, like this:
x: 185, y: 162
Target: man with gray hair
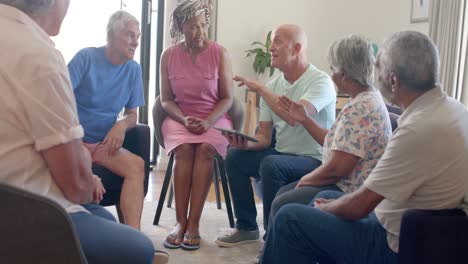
x: 41, y: 150
x: 105, y: 81
x: 424, y: 167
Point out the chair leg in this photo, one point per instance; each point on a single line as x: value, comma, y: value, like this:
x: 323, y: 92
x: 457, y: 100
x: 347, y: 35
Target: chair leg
x: 171, y: 196
x: 167, y: 179
x: 216, y: 183
x: 120, y: 214
x: 227, y: 197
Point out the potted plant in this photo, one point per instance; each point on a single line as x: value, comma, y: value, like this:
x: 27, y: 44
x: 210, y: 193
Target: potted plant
x: 262, y: 56
x: 262, y: 60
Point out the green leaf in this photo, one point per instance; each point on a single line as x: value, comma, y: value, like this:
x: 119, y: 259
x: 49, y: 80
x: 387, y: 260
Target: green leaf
x: 262, y: 57
x: 257, y: 43
x: 272, y: 70
x: 268, y: 40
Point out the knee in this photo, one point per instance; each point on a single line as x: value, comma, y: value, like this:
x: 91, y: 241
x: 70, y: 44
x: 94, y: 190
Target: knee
x: 138, y: 248
x: 183, y: 152
x: 278, y: 202
x: 282, y: 216
x: 233, y: 156
x: 205, y: 151
x: 268, y: 167
x: 137, y: 167
x: 327, y: 195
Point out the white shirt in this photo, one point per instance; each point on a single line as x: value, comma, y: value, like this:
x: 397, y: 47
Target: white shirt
x: 425, y: 164
x: 37, y: 106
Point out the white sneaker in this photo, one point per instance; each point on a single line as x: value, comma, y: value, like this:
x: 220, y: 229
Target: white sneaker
x: 160, y: 257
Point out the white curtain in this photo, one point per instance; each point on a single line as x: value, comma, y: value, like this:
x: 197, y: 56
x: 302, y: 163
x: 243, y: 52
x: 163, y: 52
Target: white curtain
x: 447, y: 28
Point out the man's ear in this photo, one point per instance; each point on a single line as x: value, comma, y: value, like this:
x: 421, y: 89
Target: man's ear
x: 297, y: 48
x: 394, y: 81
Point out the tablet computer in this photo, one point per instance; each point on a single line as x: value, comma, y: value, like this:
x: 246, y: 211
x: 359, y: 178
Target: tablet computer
x: 234, y: 132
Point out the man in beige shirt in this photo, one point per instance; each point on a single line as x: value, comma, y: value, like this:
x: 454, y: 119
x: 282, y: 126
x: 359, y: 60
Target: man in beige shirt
x: 40, y: 136
x: 424, y: 167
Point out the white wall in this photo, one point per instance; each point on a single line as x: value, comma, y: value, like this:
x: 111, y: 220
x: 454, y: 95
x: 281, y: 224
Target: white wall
x: 240, y: 22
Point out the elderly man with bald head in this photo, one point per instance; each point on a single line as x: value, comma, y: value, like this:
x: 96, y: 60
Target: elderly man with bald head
x: 296, y: 153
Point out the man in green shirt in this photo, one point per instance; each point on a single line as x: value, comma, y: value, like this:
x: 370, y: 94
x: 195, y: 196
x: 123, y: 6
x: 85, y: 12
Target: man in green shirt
x: 296, y: 153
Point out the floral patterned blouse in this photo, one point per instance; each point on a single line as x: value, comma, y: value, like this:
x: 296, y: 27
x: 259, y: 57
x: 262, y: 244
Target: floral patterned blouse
x: 363, y: 129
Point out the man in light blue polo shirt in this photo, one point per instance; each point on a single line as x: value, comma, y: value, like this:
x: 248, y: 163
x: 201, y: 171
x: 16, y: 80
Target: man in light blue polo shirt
x: 106, y: 80
x: 296, y: 153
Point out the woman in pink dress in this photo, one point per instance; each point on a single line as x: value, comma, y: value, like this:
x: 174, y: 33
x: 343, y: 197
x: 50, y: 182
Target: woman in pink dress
x: 196, y: 92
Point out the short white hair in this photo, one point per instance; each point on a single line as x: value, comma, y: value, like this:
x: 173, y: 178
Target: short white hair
x: 118, y: 21
x: 354, y: 57
x: 30, y: 7
x: 414, y: 58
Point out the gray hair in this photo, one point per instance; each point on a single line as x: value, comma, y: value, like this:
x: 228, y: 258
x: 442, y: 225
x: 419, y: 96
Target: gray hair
x: 185, y: 10
x: 30, y: 7
x: 118, y: 21
x: 414, y: 58
x: 354, y: 56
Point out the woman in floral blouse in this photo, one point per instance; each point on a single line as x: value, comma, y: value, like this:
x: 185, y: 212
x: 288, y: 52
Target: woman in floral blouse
x: 357, y: 139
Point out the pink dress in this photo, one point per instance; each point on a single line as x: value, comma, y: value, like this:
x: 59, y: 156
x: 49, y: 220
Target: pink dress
x: 195, y: 87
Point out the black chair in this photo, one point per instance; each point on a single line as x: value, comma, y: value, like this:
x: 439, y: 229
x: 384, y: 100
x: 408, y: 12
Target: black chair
x: 137, y: 140
x: 433, y: 236
x: 36, y: 229
x: 237, y: 115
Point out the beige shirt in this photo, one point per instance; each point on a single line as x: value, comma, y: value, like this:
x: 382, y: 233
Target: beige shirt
x: 37, y: 106
x: 425, y: 163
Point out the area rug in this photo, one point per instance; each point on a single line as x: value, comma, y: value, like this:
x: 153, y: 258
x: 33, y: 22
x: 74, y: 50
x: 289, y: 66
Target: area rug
x: 214, y: 223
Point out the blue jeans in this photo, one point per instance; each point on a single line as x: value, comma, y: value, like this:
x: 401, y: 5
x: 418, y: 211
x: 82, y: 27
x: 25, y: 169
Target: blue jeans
x: 274, y: 169
x: 103, y: 240
x: 304, y: 234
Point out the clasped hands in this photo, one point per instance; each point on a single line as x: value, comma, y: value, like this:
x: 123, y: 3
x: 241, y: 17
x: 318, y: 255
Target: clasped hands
x: 196, y: 125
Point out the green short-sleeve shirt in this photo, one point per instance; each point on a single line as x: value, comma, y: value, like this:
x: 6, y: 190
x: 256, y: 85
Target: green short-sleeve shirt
x: 314, y: 86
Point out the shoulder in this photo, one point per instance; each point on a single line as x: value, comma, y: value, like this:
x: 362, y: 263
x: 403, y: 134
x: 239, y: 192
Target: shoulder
x: 133, y: 68
x: 222, y: 51
x: 90, y: 52
x: 86, y: 55
x: 315, y: 74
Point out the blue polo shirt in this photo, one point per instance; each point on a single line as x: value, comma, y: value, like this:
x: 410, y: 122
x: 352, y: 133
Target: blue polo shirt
x: 102, y: 90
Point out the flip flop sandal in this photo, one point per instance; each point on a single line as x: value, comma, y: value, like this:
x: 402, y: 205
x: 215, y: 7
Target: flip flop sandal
x: 188, y: 246
x: 171, y: 245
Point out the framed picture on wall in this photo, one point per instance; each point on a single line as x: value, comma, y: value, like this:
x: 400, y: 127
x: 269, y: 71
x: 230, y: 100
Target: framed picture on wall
x: 419, y: 11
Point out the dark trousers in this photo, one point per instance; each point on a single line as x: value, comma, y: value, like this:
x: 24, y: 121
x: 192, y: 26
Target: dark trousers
x: 304, y: 234
x: 274, y: 169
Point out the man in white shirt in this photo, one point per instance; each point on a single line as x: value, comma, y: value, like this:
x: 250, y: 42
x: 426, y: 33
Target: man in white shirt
x: 424, y: 167
x: 40, y: 136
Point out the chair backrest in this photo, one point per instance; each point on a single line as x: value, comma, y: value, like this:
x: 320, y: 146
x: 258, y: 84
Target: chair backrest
x: 236, y: 113
x: 36, y: 230
x: 158, y: 118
